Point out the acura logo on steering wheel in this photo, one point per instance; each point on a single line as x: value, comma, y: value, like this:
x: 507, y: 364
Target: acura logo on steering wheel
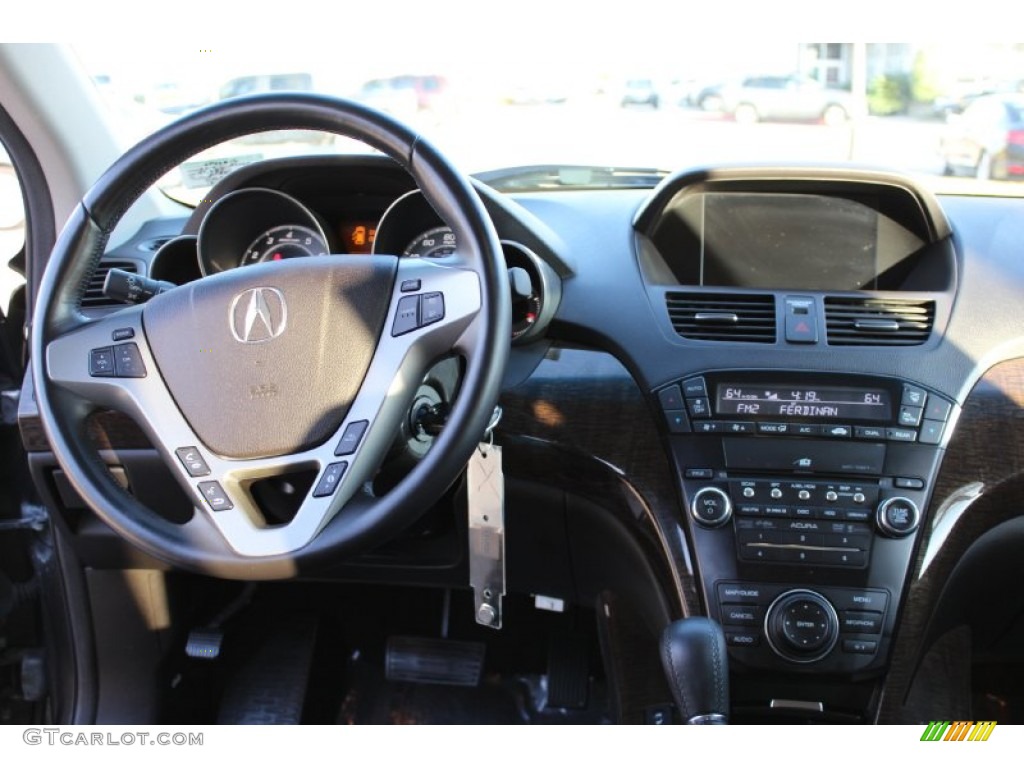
x: 258, y: 315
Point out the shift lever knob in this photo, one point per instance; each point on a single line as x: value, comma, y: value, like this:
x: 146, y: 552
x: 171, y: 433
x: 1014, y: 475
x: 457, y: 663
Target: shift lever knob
x: 697, y: 667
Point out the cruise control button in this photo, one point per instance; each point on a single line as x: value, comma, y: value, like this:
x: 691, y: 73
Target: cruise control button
x: 192, y: 460
x: 331, y: 477
x: 406, y: 316
x: 350, y: 438
x: 101, y: 362
x: 431, y: 308
x: 215, y: 496
x: 128, y: 362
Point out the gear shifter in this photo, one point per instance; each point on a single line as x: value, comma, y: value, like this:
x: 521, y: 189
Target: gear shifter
x: 697, y: 667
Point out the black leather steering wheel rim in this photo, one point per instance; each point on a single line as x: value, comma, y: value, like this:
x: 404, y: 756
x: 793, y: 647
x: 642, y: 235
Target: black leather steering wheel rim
x: 197, y: 546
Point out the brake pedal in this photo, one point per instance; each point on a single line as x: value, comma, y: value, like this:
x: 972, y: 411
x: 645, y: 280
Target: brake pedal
x: 428, y: 660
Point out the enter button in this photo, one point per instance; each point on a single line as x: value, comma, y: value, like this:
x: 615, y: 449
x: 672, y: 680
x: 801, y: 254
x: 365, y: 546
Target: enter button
x: 861, y: 622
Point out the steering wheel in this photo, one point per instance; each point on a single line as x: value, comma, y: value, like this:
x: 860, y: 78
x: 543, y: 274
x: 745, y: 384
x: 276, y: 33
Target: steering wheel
x: 302, y: 364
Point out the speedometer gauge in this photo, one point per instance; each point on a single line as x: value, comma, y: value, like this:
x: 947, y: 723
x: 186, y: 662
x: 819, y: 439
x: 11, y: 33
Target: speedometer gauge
x: 439, y: 241
x: 284, y: 242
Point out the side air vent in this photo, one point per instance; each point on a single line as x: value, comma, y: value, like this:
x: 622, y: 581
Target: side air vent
x: 93, y: 296
x: 723, y: 316
x: 878, y: 322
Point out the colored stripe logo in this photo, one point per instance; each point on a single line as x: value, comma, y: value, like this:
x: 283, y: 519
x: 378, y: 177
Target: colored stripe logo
x: 959, y: 730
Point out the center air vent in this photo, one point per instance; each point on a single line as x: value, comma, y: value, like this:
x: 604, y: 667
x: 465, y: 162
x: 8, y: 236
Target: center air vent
x: 878, y: 322
x: 93, y: 296
x: 723, y: 316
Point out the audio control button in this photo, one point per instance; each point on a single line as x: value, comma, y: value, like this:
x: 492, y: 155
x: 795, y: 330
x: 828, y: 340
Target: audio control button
x: 898, y: 517
x: 711, y: 507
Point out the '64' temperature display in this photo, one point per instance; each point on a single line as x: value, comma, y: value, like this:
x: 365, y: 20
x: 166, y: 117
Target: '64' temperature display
x: 786, y: 401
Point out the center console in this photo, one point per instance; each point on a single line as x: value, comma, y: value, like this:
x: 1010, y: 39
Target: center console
x: 803, y: 496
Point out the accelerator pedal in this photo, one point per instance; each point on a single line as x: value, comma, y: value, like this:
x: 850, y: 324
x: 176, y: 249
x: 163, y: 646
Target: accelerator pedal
x: 568, y: 671
x: 269, y: 688
x: 429, y: 660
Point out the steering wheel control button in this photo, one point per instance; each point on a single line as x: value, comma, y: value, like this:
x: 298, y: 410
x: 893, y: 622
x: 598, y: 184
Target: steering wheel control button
x: 193, y: 462
x: 331, y: 477
x: 128, y: 361
x: 409, y: 286
x: 122, y: 334
x: 898, y: 517
x: 101, y: 362
x: 861, y: 622
x: 350, y: 438
x: 802, y: 626
x: 711, y: 507
x: 215, y: 496
x: 431, y: 308
x: 407, y: 318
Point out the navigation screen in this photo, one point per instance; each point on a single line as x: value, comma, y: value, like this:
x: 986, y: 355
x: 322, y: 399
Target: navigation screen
x: 787, y: 401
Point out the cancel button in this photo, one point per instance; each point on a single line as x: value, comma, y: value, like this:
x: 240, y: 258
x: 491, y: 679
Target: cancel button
x: 861, y: 622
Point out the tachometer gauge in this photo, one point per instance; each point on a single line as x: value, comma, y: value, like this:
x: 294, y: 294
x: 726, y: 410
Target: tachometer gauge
x: 439, y: 241
x: 284, y: 242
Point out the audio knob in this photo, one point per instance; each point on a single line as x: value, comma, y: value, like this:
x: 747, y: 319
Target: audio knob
x: 898, y: 517
x: 711, y: 507
x: 801, y: 626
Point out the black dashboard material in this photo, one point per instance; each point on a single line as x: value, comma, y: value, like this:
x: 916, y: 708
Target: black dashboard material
x: 793, y: 373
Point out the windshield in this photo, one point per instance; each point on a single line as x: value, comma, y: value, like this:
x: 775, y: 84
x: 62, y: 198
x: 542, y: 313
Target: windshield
x: 949, y: 112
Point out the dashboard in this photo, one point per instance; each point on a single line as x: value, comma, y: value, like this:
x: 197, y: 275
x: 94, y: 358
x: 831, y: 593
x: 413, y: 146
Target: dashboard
x: 797, y: 372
